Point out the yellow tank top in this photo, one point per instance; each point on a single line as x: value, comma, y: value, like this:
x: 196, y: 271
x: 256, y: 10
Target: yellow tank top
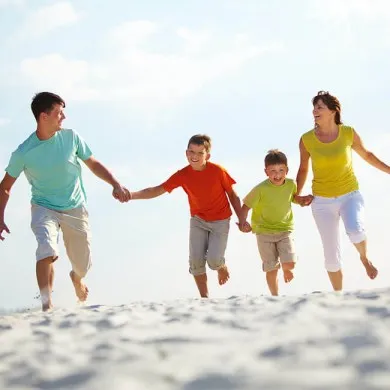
x: 331, y: 162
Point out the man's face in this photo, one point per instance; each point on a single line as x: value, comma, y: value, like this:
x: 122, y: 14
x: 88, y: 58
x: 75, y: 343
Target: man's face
x: 54, y: 118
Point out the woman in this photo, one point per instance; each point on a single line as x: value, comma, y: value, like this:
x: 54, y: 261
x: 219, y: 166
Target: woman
x: 335, y: 187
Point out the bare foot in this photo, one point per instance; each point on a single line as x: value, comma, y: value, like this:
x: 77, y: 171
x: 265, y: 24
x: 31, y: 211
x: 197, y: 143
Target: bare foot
x: 80, y: 288
x: 372, y: 272
x: 223, y: 275
x: 288, y: 275
x: 47, y: 306
x: 47, y: 303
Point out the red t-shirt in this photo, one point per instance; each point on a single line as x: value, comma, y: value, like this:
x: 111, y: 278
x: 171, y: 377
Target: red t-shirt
x: 206, y: 190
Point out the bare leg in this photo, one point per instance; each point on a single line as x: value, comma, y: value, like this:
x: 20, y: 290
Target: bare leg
x: 287, y: 271
x: 45, y: 278
x: 336, y: 278
x: 272, y: 281
x: 361, y: 247
x: 201, y: 282
x: 80, y: 288
x: 223, y: 275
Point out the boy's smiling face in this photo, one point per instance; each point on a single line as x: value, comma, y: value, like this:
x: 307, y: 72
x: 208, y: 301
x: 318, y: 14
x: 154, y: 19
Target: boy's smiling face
x: 197, y: 156
x: 277, y: 173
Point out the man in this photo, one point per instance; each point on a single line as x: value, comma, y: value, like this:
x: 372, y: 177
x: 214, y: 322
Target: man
x: 49, y: 157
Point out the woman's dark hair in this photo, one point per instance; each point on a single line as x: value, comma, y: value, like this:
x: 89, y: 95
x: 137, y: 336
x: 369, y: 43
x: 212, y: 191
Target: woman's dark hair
x: 331, y: 102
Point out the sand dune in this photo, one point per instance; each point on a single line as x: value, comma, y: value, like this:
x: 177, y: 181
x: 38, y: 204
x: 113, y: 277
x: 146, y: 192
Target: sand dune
x: 316, y: 341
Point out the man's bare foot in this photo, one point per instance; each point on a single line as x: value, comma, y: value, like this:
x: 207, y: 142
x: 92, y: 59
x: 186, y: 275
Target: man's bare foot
x: 80, y: 288
x: 288, y: 275
x: 223, y: 275
x: 372, y: 272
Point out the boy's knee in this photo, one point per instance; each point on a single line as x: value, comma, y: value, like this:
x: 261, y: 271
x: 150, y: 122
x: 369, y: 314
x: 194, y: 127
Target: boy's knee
x: 197, y: 267
x: 215, y: 264
x: 288, y: 266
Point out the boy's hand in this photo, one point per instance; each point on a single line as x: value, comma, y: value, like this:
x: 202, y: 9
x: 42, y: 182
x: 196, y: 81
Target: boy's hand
x: 303, y: 200
x: 244, y: 226
x: 3, y: 228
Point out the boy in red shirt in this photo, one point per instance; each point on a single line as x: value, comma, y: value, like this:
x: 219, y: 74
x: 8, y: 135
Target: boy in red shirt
x: 209, y: 190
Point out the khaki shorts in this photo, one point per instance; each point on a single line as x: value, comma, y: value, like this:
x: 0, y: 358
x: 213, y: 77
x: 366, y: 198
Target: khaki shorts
x: 208, y: 241
x: 46, y: 224
x: 276, y: 248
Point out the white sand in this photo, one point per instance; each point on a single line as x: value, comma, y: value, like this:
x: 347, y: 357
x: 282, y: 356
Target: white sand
x: 317, y: 341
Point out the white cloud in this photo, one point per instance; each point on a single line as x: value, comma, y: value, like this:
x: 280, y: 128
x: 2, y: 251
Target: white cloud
x: 49, y: 18
x: 53, y: 72
x: 132, y: 34
x: 133, y: 69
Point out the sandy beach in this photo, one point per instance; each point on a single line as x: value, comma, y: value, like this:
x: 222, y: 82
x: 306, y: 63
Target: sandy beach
x: 315, y: 341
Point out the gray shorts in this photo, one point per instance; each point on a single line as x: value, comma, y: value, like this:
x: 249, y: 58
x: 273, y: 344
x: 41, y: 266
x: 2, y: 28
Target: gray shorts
x: 46, y: 224
x: 208, y: 241
x: 276, y: 248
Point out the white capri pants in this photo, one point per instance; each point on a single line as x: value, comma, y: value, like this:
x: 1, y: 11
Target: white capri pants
x: 327, y: 213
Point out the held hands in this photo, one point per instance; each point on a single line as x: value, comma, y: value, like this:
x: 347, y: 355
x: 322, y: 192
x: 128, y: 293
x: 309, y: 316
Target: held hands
x: 3, y: 228
x: 121, y: 193
x: 244, y: 226
x: 303, y: 200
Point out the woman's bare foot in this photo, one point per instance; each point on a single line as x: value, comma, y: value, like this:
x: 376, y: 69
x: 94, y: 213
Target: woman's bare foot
x: 80, y: 288
x: 47, y: 303
x: 223, y: 275
x: 372, y: 272
x: 288, y: 275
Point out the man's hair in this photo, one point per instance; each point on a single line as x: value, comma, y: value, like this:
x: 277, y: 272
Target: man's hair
x: 274, y: 157
x: 44, y: 102
x: 201, y: 139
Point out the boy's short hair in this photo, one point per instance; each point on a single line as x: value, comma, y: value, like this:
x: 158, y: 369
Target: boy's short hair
x: 44, y: 102
x: 201, y: 140
x: 274, y: 157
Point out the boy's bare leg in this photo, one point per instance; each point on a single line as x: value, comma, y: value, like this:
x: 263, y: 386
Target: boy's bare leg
x: 287, y: 271
x: 336, y: 278
x: 201, y: 283
x: 361, y: 247
x: 45, y: 278
x: 80, y: 288
x: 272, y: 281
x: 223, y: 275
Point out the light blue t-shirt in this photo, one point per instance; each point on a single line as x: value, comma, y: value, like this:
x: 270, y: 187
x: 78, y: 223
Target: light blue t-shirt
x: 52, y: 168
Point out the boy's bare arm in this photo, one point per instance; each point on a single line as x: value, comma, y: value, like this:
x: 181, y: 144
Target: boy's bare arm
x: 244, y: 211
x: 235, y: 202
x: 148, y: 193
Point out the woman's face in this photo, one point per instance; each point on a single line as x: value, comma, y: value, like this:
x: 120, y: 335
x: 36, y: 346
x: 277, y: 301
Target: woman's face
x: 322, y: 114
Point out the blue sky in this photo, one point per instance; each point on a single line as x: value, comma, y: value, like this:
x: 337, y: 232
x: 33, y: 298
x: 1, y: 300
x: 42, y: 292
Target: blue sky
x: 139, y: 78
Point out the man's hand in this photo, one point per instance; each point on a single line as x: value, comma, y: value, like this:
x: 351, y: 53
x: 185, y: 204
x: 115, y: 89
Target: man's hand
x: 3, y: 228
x: 121, y: 193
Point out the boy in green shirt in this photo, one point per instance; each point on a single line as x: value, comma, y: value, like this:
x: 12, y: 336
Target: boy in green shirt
x: 272, y: 218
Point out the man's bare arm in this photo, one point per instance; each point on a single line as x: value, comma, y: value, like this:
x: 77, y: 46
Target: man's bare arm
x: 5, y: 190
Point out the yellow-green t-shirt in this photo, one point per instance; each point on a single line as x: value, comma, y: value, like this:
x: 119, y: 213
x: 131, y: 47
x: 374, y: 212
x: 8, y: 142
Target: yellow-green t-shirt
x: 331, y: 162
x: 271, y: 207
